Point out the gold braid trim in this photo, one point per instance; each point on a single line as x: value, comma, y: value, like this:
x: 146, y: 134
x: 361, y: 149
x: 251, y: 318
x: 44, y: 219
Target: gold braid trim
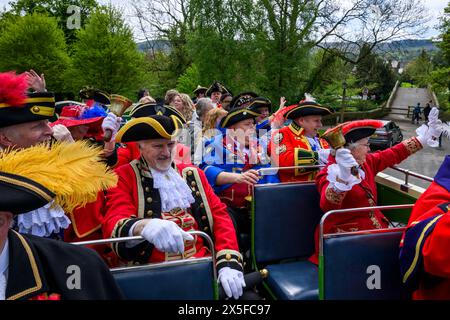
x: 333, y: 196
x: 412, y: 145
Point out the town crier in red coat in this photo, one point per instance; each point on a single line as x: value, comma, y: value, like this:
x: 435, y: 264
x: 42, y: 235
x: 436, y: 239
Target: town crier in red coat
x: 160, y: 201
x: 298, y: 143
x: 425, y: 258
x: 340, y: 189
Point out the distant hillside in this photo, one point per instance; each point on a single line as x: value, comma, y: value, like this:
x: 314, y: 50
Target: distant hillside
x: 156, y: 45
x: 401, y: 50
x: 406, y: 50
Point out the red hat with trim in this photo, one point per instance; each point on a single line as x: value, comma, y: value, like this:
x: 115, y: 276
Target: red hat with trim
x: 360, y: 129
x: 77, y: 115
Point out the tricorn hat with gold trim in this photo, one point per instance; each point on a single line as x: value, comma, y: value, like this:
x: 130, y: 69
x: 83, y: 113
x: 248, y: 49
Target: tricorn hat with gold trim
x: 68, y: 173
x: 360, y: 129
x: 99, y: 96
x: 151, y: 127
x: 217, y: 87
x: 237, y: 115
x: 200, y: 89
x: 307, y: 108
x: 259, y: 102
x: 242, y: 99
x: 152, y: 108
x: 17, y: 107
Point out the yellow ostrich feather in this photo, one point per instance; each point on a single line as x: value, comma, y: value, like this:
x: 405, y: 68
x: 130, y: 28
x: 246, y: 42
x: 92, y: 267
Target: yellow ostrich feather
x: 72, y: 171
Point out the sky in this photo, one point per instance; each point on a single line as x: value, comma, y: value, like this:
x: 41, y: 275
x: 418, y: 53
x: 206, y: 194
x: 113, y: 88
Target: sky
x: 435, y: 10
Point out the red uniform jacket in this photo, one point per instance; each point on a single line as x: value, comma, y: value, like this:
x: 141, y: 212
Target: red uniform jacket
x: 134, y: 198
x: 435, y: 279
x: 289, y: 147
x: 363, y: 194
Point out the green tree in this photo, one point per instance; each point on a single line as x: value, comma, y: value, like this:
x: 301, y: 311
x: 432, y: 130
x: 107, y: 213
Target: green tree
x: 106, y: 56
x: 60, y: 9
x: 419, y: 70
x: 35, y: 42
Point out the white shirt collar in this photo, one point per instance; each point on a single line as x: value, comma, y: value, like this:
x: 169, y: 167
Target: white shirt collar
x: 4, y: 258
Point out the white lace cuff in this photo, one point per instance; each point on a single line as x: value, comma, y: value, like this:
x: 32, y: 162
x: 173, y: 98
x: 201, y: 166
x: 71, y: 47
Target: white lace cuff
x: 44, y: 221
x: 339, y: 184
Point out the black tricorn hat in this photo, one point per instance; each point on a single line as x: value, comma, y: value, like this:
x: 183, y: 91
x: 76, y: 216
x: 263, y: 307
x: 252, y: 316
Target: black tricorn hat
x: 216, y: 87
x: 200, y: 89
x: 20, y: 194
x: 99, y: 96
x: 259, y: 102
x: 237, y: 115
x: 151, y: 127
x: 242, y: 99
x: 152, y: 109
x: 37, y: 106
x: 307, y: 108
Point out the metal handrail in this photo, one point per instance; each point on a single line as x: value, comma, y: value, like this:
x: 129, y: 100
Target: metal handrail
x: 125, y: 239
x: 262, y: 170
x: 409, y: 173
x: 359, y: 210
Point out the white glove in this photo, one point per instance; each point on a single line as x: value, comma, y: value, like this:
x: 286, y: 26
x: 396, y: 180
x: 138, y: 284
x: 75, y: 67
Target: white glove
x: 166, y: 235
x: 323, y: 155
x: 339, y: 174
x: 61, y: 133
x: 232, y: 282
x: 429, y: 134
x: 111, y: 122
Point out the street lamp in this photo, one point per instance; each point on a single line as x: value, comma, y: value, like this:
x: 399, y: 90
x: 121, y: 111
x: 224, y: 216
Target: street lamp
x: 344, y: 88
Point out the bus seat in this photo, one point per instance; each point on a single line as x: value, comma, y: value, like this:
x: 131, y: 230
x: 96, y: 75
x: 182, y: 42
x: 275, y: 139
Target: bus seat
x: 362, y: 265
x: 284, y: 220
x: 181, y: 280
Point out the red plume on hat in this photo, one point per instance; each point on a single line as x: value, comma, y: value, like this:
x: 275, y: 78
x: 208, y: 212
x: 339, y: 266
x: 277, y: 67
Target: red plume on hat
x: 13, y: 89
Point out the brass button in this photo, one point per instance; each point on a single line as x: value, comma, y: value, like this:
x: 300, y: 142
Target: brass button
x: 142, y: 179
x: 205, y: 229
x: 204, y: 218
x: 228, y: 256
x: 202, y: 205
x: 190, y: 173
x: 36, y: 109
x: 149, y: 200
x: 193, y: 189
x: 150, y: 212
x: 193, y: 183
x: 147, y: 189
x: 198, y: 193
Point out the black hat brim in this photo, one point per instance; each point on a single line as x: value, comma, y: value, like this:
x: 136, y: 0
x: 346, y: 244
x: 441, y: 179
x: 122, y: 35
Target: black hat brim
x: 358, y: 134
x: 237, y: 115
x: 310, y: 109
x: 152, y: 109
x: 260, y: 102
x: 21, y: 195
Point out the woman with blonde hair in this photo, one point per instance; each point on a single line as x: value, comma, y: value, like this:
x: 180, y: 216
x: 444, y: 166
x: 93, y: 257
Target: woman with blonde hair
x: 183, y: 103
x: 211, y: 122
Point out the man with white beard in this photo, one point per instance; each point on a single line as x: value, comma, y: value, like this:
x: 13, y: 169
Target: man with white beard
x: 161, y: 202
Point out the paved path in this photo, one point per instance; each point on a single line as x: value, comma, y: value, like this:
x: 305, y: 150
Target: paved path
x: 426, y: 161
x: 408, y: 97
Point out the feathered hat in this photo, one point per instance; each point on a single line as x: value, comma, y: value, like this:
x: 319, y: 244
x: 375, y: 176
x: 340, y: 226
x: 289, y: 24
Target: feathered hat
x: 71, y: 174
x: 77, y: 115
x: 17, y: 107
